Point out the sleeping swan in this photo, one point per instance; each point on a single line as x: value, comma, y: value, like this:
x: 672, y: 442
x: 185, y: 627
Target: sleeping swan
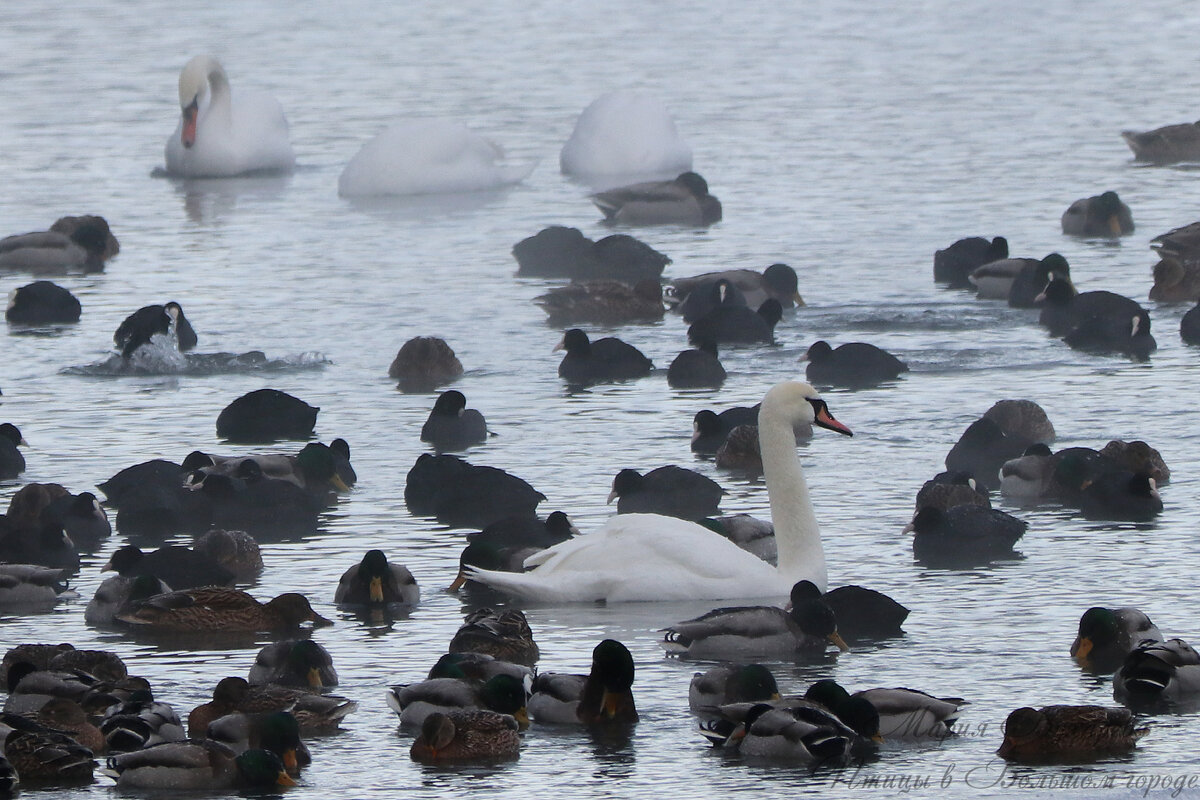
x: 652, y: 557
x: 220, y: 135
x: 428, y: 156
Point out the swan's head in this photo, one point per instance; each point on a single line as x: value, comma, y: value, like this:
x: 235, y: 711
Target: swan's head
x: 800, y: 403
x: 194, y: 82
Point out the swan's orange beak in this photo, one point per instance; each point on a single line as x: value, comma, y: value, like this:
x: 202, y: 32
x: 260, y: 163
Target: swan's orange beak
x: 188, y: 136
x: 826, y: 420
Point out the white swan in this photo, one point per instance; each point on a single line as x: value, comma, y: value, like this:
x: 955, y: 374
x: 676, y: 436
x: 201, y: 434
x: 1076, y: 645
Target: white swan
x: 651, y: 557
x: 427, y: 156
x: 220, y: 135
x: 624, y: 134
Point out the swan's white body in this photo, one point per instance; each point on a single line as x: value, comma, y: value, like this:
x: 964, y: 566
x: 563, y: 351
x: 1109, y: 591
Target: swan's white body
x: 427, y: 156
x: 652, y: 557
x: 625, y: 133
x: 231, y: 135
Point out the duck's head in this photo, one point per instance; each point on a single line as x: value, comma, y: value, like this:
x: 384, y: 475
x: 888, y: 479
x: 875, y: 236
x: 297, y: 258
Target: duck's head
x: 281, y: 735
x: 1098, y: 628
x: 695, y: 184
x: 231, y: 691
x: 751, y: 683
x: 261, y: 768
x: 612, y: 663
x: 375, y: 569
x: 294, y: 608
x: 507, y: 695
x: 1022, y: 726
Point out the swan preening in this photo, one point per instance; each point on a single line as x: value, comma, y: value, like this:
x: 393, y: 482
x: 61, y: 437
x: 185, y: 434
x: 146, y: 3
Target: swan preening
x: 220, y: 134
x: 651, y: 557
x: 428, y: 156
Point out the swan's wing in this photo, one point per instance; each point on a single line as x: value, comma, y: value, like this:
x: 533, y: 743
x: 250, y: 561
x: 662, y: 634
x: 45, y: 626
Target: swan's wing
x: 641, y: 557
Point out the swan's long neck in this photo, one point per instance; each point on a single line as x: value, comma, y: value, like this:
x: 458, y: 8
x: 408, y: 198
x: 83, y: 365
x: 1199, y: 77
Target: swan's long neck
x: 797, y: 536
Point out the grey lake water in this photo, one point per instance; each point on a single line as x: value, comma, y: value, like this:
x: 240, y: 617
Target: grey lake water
x: 849, y: 140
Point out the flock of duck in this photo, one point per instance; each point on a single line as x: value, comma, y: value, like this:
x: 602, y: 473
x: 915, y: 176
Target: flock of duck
x: 666, y: 541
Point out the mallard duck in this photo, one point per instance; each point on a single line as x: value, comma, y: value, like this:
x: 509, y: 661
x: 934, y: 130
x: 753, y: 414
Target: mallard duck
x: 804, y: 733
x: 682, y: 201
x: 453, y: 426
x: 140, y: 722
x: 601, y: 302
x: 740, y: 451
x: 38, y: 655
x: 501, y: 693
x: 296, y: 662
x: 32, y: 586
x: 72, y: 244
x: 265, y: 415
x: 315, y: 713
x: 140, y: 327
x: 42, y: 303
x: 1099, y: 215
x: 466, y: 736
x: 197, y: 765
x: 695, y: 297
x: 465, y: 495
x: 219, y: 609
x: 698, y: 368
x: 505, y: 635
x: 740, y: 683
x: 757, y: 631
x: 955, y: 264
x: 1165, y: 145
x: 235, y: 551
x: 1158, y: 675
x: 42, y: 755
x: 373, y: 581
x: 602, y: 361
x: 902, y: 713
x: 1028, y: 476
x: 1177, y: 274
x: 670, y: 491
x: 478, y: 667
x: 1107, y: 635
x: 274, y: 731
x: 1068, y: 733
x: 738, y: 324
x: 603, y: 696
x: 607, y: 696
x: 423, y: 363
x: 965, y: 534
x: 68, y: 716
x: 851, y: 364
x: 12, y: 463
x: 952, y: 488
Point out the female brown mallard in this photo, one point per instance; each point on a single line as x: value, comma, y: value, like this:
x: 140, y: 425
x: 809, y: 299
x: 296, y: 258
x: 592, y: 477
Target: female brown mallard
x: 466, y: 736
x: 1055, y: 733
x: 215, y: 608
x: 42, y: 755
x: 1165, y: 145
x: 505, y: 635
x: 316, y: 713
